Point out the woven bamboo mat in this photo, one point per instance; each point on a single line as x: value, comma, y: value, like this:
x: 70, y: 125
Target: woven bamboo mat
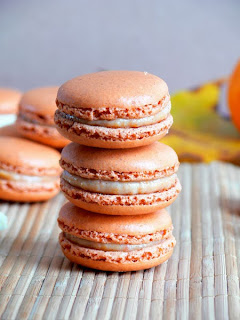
x: 200, y: 281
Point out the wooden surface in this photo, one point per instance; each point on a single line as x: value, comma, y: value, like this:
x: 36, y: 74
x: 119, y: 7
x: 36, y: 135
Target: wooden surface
x: 200, y: 281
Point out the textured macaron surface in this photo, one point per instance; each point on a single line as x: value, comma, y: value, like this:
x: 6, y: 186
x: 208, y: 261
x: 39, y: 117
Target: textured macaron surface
x: 9, y: 99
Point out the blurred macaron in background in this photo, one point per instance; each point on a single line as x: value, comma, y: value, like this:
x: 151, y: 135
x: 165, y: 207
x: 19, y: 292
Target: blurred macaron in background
x: 9, y: 99
x: 35, y: 119
x: 29, y: 171
x: 9, y: 131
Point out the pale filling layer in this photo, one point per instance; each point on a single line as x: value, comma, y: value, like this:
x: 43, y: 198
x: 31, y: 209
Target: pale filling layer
x: 109, y: 246
x: 120, y: 187
x: 125, y: 123
x: 12, y: 176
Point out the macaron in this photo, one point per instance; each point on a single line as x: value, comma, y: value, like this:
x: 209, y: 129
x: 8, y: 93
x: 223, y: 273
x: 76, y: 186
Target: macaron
x: 120, y: 181
x: 10, y: 131
x: 115, y: 243
x: 36, y: 117
x: 9, y: 99
x: 114, y: 109
x: 28, y: 171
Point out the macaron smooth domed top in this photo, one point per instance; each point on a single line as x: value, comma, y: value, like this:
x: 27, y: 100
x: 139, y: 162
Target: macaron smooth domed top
x: 27, y: 157
x: 40, y: 101
x: 156, y: 156
x: 9, y: 99
x: 81, y: 219
x: 114, y: 89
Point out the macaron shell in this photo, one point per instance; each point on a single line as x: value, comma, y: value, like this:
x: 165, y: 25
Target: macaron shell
x: 116, y: 267
x: 114, y: 89
x: 81, y: 219
x: 121, y: 210
x: 9, y: 99
x: 11, y: 194
x: 45, y: 135
x: 108, y: 144
x: 156, y: 156
x: 40, y: 101
x: 27, y: 157
x: 10, y: 131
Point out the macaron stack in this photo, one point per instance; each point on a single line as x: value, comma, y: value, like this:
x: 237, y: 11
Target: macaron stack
x: 116, y: 175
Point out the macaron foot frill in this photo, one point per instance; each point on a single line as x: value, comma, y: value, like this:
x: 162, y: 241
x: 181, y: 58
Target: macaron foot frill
x: 116, y: 243
x: 114, y: 109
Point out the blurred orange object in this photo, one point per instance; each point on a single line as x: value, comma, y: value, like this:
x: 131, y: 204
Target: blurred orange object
x: 234, y: 96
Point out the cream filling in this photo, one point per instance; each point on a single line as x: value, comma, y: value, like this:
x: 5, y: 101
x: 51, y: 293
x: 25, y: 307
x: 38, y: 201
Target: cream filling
x: 12, y: 176
x: 120, y: 187
x: 126, y: 123
x: 109, y: 246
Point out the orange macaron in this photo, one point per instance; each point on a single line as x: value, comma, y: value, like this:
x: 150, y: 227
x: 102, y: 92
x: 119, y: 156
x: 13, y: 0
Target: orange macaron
x: 28, y: 171
x: 120, y: 181
x: 9, y: 99
x: 10, y: 131
x: 115, y: 243
x: 114, y: 109
x: 36, y: 117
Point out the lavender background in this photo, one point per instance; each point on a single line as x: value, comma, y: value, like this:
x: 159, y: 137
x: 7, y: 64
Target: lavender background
x: 185, y: 42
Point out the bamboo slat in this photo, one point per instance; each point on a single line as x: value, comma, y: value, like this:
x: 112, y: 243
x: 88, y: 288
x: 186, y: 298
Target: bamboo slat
x: 200, y: 281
